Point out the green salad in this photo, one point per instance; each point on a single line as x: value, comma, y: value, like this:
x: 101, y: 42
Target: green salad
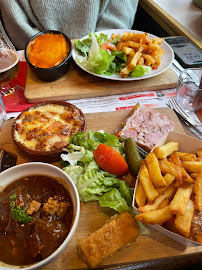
x: 95, y: 57
x: 93, y: 183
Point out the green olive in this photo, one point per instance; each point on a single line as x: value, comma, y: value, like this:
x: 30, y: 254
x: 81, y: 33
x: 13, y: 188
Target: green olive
x: 132, y: 156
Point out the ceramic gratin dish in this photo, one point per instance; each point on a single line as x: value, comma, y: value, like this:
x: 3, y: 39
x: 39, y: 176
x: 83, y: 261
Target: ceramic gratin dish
x: 43, y: 130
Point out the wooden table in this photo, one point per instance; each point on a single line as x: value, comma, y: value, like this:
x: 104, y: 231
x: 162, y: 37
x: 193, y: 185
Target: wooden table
x: 155, y: 250
x: 168, y: 14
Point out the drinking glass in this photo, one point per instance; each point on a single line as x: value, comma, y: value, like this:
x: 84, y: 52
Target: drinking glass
x: 2, y: 113
x: 188, y: 91
x: 9, y: 67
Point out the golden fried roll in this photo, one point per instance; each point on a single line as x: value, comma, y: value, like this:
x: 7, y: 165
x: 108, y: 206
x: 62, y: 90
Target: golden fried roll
x: 115, y: 234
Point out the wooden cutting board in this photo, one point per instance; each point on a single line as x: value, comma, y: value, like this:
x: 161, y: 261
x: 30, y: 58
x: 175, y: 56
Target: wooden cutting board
x: 80, y: 84
x: 92, y: 217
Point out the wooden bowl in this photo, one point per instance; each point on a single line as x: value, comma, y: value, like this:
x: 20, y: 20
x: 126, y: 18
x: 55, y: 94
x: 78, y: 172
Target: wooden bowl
x: 43, y: 130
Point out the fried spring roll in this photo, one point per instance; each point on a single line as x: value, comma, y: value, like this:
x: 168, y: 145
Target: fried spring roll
x: 114, y: 235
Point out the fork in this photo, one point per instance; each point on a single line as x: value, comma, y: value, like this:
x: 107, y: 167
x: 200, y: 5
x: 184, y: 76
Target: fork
x: 173, y: 104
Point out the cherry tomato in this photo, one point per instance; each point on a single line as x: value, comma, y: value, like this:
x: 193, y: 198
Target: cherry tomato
x: 110, y: 160
x: 109, y: 46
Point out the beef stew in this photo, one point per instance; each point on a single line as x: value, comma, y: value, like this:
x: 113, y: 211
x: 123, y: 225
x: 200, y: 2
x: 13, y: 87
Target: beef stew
x: 36, y: 215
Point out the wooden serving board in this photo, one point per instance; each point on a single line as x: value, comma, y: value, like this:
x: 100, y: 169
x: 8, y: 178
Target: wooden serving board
x: 92, y: 217
x: 107, y: 121
x: 80, y: 84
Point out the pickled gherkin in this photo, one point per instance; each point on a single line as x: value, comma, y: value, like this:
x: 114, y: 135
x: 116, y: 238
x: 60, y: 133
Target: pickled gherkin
x: 132, y: 156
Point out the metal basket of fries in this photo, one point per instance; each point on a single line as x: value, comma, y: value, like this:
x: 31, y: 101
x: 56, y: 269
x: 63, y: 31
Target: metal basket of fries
x: 168, y: 191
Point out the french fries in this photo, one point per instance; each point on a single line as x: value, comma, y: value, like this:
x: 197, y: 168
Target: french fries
x: 140, y: 195
x: 140, y: 50
x: 155, y: 171
x: 199, y: 153
x: 169, y: 192
x: 146, y: 182
x: 186, y: 156
x: 173, y: 202
x: 158, y: 216
x: 179, y: 203
x: 192, y: 166
x: 166, y: 149
x: 185, y: 176
x: 168, y: 167
x: 198, y: 191
x: 183, y: 222
x: 168, y: 178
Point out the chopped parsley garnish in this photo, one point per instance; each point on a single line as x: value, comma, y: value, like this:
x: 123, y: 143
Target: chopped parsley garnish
x: 13, y: 197
x: 17, y: 213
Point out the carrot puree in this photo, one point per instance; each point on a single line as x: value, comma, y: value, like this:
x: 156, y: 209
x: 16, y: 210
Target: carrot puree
x: 48, y: 50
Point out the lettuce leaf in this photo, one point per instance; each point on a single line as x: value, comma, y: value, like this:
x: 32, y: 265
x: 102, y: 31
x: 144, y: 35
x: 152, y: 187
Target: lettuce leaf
x: 91, y: 141
x: 98, y: 60
x: 74, y: 156
x: 94, y: 182
x: 101, y: 39
x: 94, y: 55
x: 115, y: 40
x: 77, y: 153
x: 114, y: 200
x: 74, y: 172
x: 81, y: 139
x: 81, y: 47
x: 121, y: 55
x: 111, y: 70
x: 139, y: 71
x: 108, y: 139
x: 87, y: 41
x: 126, y: 192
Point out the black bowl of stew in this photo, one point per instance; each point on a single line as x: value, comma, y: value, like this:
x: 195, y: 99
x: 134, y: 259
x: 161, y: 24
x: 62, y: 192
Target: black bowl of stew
x: 39, y: 213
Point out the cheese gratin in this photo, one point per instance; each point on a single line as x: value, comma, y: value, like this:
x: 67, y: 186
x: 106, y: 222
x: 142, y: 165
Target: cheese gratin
x: 48, y: 127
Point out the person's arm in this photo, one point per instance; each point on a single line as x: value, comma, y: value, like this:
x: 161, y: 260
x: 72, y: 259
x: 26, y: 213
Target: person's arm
x: 17, y: 23
x: 117, y: 14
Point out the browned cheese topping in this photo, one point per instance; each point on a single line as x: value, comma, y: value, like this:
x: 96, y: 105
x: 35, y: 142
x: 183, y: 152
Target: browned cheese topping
x: 48, y: 127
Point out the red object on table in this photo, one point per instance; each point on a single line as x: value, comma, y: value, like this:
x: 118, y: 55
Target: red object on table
x: 19, y: 100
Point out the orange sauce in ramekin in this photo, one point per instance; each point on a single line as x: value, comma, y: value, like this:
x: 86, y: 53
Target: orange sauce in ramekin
x: 48, y: 50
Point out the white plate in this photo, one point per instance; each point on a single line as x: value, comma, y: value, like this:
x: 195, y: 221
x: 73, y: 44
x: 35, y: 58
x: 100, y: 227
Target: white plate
x: 166, y: 59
